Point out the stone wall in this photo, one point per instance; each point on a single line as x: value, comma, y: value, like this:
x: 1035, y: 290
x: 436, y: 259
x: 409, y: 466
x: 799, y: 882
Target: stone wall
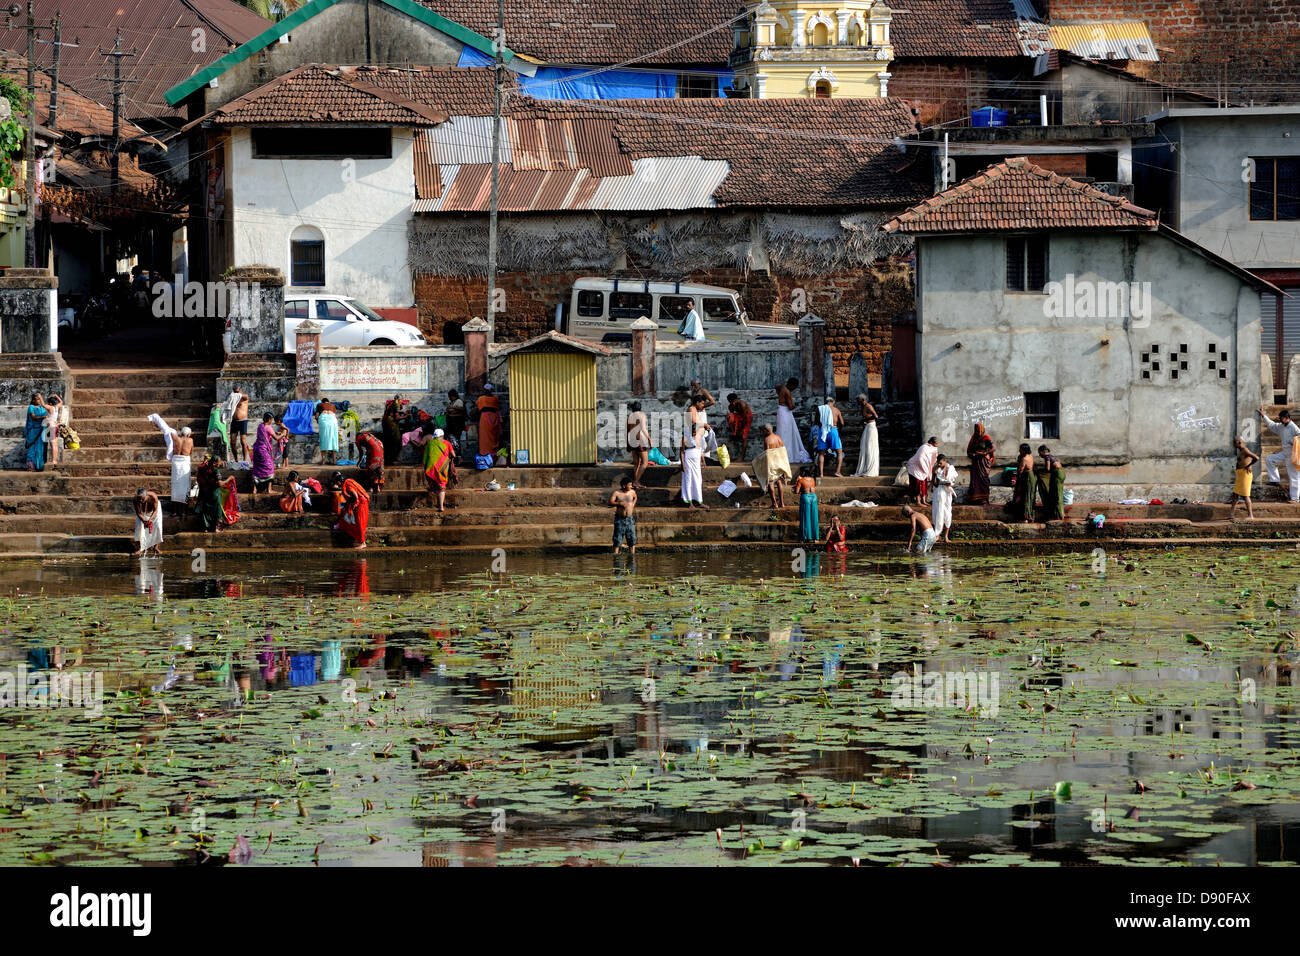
x: 20, y: 375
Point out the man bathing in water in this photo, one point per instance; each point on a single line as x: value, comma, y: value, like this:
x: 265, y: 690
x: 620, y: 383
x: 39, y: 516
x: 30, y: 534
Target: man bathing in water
x: 623, y: 502
x: 920, y: 523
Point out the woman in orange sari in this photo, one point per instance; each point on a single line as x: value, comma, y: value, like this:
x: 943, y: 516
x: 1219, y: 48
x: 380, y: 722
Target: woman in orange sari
x: 355, y: 505
x: 489, y: 421
x: 291, y: 501
x: 439, y: 465
x: 980, y: 452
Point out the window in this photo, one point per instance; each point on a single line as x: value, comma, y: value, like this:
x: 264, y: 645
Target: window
x: 1026, y: 264
x: 307, y: 142
x: 696, y: 86
x: 1042, y: 414
x: 631, y: 305
x: 719, y: 307
x: 821, y: 35
x: 333, y: 310
x: 823, y: 90
x: 1275, y: 192
x: 675, y: 307
x: 591, y: 303
x: 307, y: 257
x: 295, y: 309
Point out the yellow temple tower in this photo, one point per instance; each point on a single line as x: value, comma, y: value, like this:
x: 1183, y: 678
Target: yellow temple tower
x: 798, y: 48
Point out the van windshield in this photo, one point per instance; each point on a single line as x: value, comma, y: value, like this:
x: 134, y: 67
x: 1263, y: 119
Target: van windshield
x: 630, y: 305
x: 370, y: 314
x: 719, y: 308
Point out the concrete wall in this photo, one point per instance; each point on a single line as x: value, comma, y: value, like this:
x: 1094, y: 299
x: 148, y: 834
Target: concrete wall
x: 1213, y: 196
x: 364, y: 222
x: 982, y: 349
x: 351, y: 33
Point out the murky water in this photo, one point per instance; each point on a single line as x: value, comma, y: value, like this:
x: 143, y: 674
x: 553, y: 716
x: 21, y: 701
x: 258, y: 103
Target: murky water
x: 719, y: 708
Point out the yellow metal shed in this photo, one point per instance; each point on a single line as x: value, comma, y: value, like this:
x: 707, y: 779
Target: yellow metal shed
x: 553, y: 400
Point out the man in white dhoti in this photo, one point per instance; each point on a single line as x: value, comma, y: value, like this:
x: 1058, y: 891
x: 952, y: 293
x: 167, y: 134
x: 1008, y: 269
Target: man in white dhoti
x: 148, y: 522
x: 869, y: 452
x: 691, y: 448
x: 786, y: 429
x: 180, y: 446
x: 691, y: 327
x: 945, y: 478
x: 1288, y: 431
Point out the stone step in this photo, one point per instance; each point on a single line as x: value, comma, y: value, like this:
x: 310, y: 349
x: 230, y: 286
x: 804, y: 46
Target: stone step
x: 112, y: 431
x: 131, y: 412
x: 160, y: 377
x: 135, y: 395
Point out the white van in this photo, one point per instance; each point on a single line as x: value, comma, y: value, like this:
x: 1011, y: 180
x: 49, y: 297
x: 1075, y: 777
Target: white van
x: 603, y: 310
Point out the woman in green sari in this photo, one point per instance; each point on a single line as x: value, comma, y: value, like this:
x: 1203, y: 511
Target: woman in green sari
x: 439, y: 466
x: 1021, y: 505
x: 1050, y: 486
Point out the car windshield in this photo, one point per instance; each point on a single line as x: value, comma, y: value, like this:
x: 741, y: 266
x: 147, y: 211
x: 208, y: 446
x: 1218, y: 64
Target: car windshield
x: 369, y: 313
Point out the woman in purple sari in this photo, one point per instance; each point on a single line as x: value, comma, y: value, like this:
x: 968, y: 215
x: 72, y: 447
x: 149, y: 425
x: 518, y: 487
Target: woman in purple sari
x: 264, y: 455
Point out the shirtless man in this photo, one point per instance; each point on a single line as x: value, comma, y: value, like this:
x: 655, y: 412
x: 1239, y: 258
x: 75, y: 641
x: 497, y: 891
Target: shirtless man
x: 922, y: 523
x: 239, y: 429
x: 623, y: 502
x: 638, y: 441
x: 775, y: 487
x: 832, y: 441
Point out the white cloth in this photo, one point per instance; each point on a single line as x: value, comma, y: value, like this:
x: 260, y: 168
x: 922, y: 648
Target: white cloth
x: 231, y: 403
x: 1283, y: 457
x: 919, y: 465
x: 692, y: 481
x: 692, y: 327
x: 869, y: 453
x: 169, y: 433
x: 788, y: 432
x: 941, y: 498
x: 826, y: 421
x: 180, y: 478
x: 928, y: 538
x: 150, y: 537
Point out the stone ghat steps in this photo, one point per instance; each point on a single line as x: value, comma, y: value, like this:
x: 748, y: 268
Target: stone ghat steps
x: 135, y: 395
x: 157, y: 378
x: 131, y: 411
x: 749, y: 523
x: 104, y: 432
x: 101, y: 478
x: 695, y: 533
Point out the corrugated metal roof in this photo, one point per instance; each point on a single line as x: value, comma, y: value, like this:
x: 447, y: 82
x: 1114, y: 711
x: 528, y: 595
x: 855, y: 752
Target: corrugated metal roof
x: 466, y: 139
x: 662, y: 182
x: 1106, y: 40
x: 428, y: 178
x: 598, y: 150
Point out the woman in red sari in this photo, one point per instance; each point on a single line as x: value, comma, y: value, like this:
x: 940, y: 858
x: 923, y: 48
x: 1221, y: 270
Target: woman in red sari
x: 980, y: 452
x: 229, y: 501
x: 836, y: 538
x: 355, y: 508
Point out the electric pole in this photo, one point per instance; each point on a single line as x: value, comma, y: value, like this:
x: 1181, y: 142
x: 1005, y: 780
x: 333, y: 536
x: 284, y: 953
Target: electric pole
x: 498, y: 80
x: 29, y: 147
x: 116, y: 53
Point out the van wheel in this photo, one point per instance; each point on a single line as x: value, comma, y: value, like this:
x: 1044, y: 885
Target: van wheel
x: 382, y: 342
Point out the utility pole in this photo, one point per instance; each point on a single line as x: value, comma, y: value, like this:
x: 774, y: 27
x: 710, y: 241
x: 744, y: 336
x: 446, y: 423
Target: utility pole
x: 52, y: 123
x: 116, y: 53
x: 29, y: 147
x: 498, y: 80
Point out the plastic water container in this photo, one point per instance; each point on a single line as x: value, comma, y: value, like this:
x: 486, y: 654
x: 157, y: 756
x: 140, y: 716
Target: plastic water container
x: 988, y: 116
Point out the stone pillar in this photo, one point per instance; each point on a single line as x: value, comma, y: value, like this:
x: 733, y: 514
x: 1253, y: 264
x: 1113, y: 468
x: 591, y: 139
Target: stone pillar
x: 812, y: 356
x: 884, y: 79
x: 28, y: 320
x: 1266, y: 379
x: 858, y: 377
x: 1293, y: 380
x: 842, y: 27
x: 307, y: 374
x: 643, y: 356
x: 798, y: 38
x: 256, y: 294
x: 476, y: 356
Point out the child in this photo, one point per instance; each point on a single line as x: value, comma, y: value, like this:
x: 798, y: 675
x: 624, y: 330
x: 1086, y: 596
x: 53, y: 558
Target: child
x: 282, y: 438
x: 835, y: 538
x: 921, y: 522
x: 1245, y: 475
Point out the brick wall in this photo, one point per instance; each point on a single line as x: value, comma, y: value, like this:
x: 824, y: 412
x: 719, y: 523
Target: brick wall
x: 1206, y: 42
x: 940, y: 90
x: 858, y: 305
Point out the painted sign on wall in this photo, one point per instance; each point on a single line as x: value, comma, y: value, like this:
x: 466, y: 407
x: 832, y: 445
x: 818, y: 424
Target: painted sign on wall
x: 377, y: 373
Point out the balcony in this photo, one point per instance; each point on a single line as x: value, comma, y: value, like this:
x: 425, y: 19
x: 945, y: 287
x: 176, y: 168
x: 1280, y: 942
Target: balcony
x: 834, y: 53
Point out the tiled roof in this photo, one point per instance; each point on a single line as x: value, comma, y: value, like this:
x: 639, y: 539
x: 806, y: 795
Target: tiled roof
x: 812, y: 152
x: 163, y: 35
x: 323, y: 94
x: 1016, y: 194
x: 605, y: 31
x: 77, y: 113
x: 963, y: 28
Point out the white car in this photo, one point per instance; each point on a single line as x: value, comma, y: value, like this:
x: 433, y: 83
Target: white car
x: 344, y: 322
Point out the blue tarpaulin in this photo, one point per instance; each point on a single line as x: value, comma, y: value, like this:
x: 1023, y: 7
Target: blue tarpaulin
x: 566, y: 83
